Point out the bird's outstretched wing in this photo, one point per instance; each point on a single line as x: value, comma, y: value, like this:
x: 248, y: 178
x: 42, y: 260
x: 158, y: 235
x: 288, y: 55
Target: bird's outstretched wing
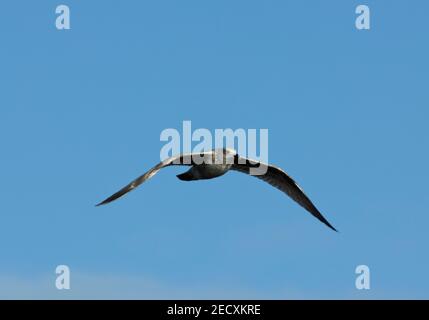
x: 183, y: 159
x: 282, y: 181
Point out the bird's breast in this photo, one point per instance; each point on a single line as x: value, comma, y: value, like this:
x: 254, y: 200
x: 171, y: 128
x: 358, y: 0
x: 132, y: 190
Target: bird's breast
x: 207, y: 171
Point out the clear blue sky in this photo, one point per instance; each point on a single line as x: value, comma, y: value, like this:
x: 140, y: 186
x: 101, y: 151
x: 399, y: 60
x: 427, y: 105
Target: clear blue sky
x: 81, y: 112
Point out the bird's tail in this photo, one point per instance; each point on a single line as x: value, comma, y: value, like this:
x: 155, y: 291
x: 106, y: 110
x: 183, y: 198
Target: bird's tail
x: 186, y: 176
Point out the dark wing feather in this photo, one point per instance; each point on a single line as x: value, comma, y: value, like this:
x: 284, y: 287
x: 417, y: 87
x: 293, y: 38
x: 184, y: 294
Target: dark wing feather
x: 282, y: 181
x: 178, y: 160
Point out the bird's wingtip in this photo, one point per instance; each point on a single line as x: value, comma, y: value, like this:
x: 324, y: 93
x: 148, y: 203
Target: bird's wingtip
x: 331, y: 227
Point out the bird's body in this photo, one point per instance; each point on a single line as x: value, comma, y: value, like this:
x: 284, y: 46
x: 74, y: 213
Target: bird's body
x: 204, y: 171
x: 215, y: 163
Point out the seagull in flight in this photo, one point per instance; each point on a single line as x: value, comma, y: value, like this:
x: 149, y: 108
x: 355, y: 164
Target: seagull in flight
x: 217, y: 162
